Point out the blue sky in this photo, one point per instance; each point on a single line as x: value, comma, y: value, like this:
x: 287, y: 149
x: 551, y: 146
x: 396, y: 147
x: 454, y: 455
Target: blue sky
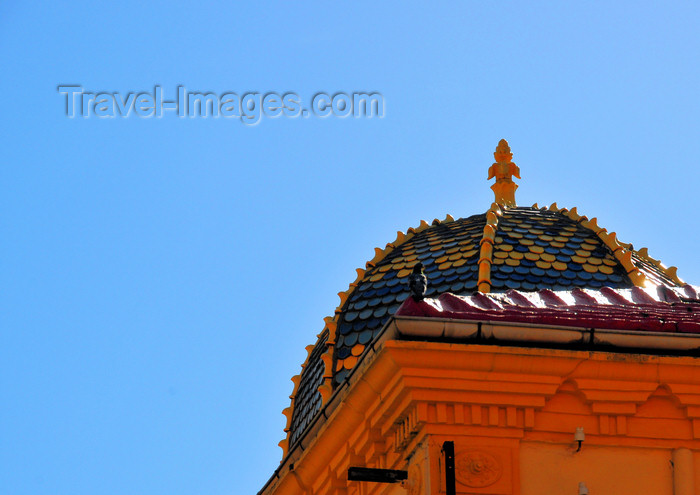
x: 161, y: 277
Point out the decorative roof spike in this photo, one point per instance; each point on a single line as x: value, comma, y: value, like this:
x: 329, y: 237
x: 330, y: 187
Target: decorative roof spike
x: 592, y: 224
x: 572, y: 213
x: 378, y: 256
x: 328, y: 364
x: 296, y: 380
x: 504, y: 170
x: 331, y: 323
x: 673, y: 275
x: 343, y: 297
x: 423, y: 225
x: 284, y: 445
x: 326, y: 390
x: 448, y: 218
x: 610, y: 240
x: 287, y: 413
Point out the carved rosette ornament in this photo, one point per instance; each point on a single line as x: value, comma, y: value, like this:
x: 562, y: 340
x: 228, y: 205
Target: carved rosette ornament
x: 477, y: 468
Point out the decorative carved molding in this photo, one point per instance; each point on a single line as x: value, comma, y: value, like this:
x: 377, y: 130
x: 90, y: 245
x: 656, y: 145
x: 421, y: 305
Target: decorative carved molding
x: 478, y: 468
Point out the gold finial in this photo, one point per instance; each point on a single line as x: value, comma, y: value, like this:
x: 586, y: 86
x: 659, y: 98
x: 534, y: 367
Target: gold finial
x: 504, y: 170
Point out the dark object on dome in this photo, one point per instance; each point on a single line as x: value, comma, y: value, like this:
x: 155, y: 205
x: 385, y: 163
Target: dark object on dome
x: 417, y: 282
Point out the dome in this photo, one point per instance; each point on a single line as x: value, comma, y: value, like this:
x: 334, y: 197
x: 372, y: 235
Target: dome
x: 506, y: 248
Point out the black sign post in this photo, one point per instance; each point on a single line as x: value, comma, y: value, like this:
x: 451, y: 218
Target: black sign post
x: 449, y: 449
x: 376, y: 475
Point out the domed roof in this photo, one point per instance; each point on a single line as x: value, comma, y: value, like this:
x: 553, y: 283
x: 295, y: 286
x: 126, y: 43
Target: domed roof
x: 532, y: 249
x: 508, y: 247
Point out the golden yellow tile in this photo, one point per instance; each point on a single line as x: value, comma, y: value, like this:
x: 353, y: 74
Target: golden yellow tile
x: 470, y: 253
x: 445, y: 265
x: 376, y: 277
x: 452, y: 250
x: 547, y: 238
x: 411, y: 257
x: 583, y: 253
x: 505, y: 247
x: 527, y: 242
x: 515, y: 255
x: 350, y: 362
x: 595, y: 261
x: 605, y: 269
x: 455, y: 257
x: 543, y: 264
x: 403, y: 273
x: 578, y: 259
x: 587, y: 246
x: 560, y: 238
x: 558, y: 265
x: 459, y: 263
x: 537, y: 249
x: 557, y: 244
x: 357, y: 350
x: 496, y: 261
x: 590, y: 268
x: 512, y: 262
x: 500, y: 254
x: 441, y: 259
x: 548, y: 257
x: 610, y: 262
x: 536, y: 231
x: 339, y: 365
x: 532, y: 256
x: 399, y: 266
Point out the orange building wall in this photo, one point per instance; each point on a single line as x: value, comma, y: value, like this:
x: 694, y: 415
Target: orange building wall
x: 512, y: 413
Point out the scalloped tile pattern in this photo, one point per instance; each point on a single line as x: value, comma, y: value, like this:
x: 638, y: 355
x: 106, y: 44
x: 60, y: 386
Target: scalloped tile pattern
x: 541, y: 249
x: 449, y: 252
x: 307, y: 401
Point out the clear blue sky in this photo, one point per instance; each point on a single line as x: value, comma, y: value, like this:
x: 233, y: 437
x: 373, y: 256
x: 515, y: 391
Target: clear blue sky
x: 161, y: 277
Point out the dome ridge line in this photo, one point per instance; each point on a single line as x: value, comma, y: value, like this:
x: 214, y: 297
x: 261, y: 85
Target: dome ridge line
x: 486, y: 248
